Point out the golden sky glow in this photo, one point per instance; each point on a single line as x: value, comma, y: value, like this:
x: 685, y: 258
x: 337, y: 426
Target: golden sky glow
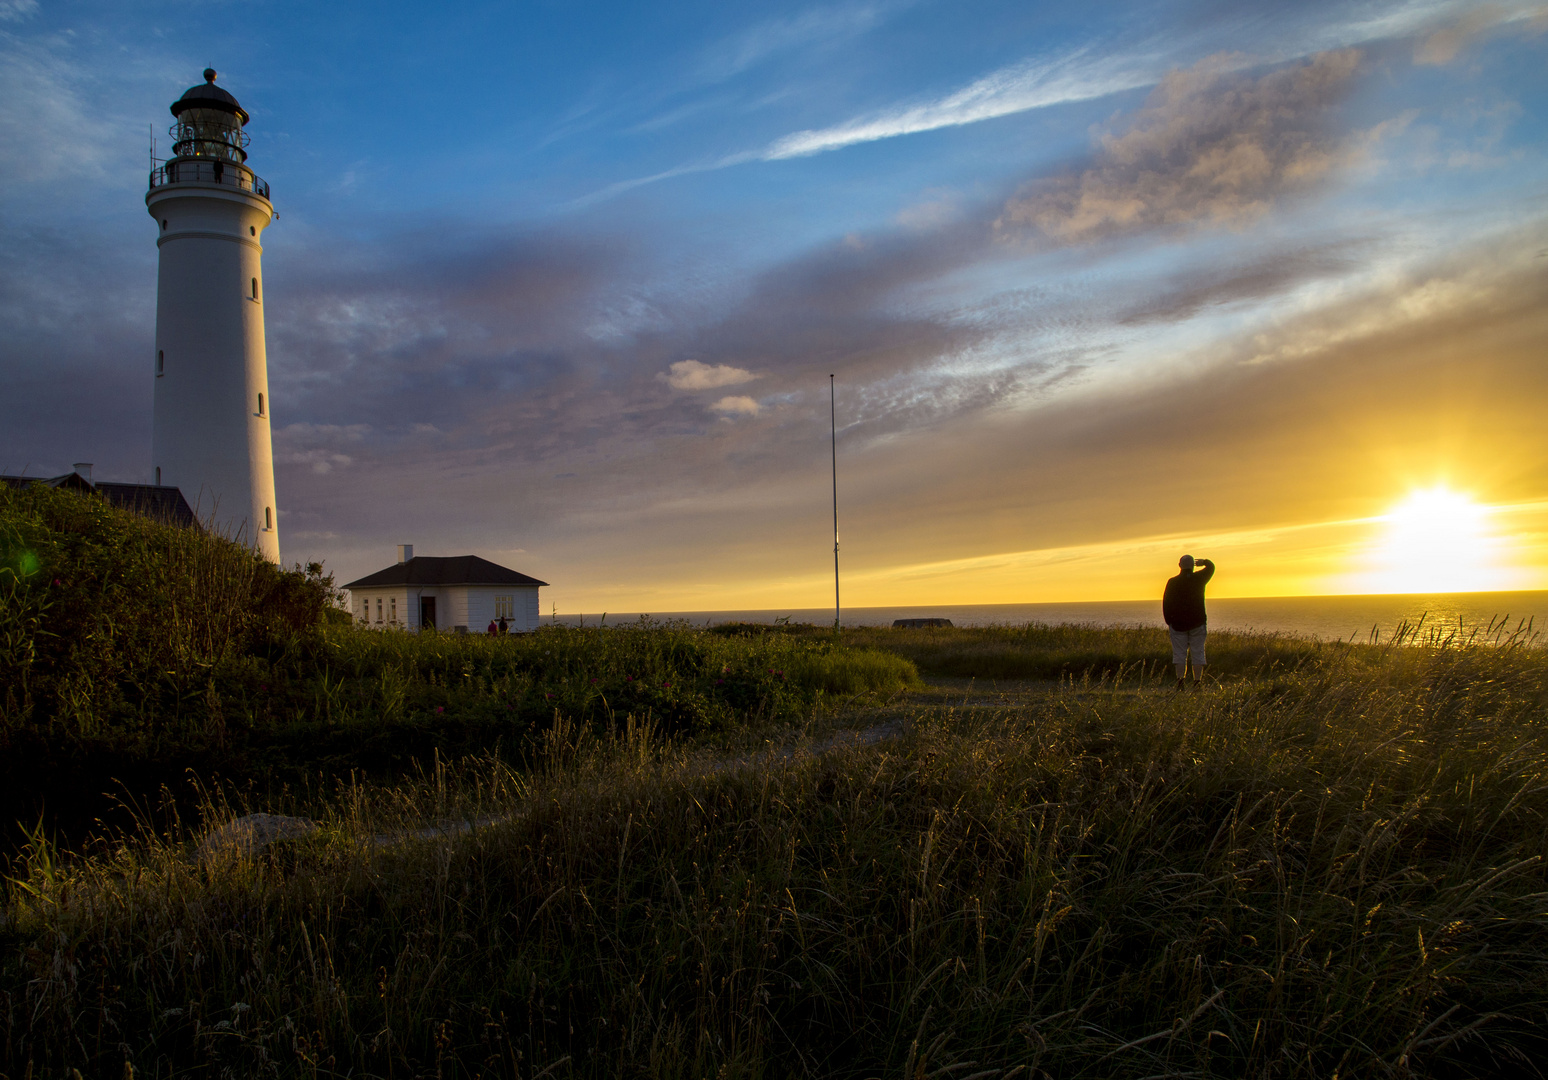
x: 1264, y: 283
x: 1433, y: 541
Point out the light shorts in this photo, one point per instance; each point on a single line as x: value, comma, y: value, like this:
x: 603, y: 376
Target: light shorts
x: 1185, y: 640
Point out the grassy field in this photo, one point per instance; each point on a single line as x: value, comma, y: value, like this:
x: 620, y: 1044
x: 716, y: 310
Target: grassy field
x: 131, y: 653
x: 750, y: 852
x: 1335, y: 869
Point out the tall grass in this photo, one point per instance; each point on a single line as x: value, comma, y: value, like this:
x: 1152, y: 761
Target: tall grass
x: 131, y: 651
x: 1041, y: 651
x: 1331, y: 871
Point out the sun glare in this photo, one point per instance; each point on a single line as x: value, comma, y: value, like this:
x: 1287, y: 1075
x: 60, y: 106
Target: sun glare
x: 1436, y: 541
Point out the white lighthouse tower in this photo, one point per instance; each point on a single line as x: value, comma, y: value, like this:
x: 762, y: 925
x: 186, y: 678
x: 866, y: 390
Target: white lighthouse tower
x: 211, y: 426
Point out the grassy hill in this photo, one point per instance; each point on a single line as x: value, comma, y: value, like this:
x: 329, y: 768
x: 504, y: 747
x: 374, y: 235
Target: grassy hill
x: 1332, y: 862
x: 132, y: 652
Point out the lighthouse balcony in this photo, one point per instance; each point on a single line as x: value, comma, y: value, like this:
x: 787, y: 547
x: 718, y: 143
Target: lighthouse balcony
x: 228, y: 174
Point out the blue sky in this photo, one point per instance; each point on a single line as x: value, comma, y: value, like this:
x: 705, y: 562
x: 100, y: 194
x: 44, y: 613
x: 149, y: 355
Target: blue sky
x: 562, y: 284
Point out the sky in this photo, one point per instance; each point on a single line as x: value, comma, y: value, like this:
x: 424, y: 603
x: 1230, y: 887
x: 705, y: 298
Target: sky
x: 562, y: 285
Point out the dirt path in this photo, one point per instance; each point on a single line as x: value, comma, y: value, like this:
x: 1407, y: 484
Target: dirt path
x: 878, y: 723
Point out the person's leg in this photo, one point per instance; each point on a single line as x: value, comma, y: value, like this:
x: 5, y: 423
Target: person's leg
x: 1196, y: 647
x: 1179, y: 654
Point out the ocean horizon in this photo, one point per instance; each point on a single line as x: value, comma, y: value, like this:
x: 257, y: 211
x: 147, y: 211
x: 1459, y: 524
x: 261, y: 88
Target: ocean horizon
x: 1328, y: 618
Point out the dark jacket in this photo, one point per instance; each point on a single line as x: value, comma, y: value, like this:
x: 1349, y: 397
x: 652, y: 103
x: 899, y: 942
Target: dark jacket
x: 1182, y: 605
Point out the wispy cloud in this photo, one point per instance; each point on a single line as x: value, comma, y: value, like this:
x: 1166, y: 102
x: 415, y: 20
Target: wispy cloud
x: 733, y: 55
x: 17, y: 10
x: 1077, y: 76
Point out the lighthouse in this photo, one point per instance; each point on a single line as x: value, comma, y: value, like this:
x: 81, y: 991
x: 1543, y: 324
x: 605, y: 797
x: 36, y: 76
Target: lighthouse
x: 210, y: 434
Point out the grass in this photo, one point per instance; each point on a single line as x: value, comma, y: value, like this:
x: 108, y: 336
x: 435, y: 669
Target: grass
x: 1331, y: 870
x: 131, y: 653
x: 651, y: 851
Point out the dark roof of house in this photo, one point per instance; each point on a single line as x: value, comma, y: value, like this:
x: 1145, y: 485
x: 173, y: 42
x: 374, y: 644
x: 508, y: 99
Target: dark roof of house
x: 452, y: 570
x: 164, y: 504
x: 150, y: 500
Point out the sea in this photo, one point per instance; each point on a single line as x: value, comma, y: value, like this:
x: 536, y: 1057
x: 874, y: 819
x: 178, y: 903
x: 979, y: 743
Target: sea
x: 1327, y: 618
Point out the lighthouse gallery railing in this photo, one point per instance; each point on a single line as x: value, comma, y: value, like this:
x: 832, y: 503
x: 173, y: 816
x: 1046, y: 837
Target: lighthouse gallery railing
x: 208, y: 172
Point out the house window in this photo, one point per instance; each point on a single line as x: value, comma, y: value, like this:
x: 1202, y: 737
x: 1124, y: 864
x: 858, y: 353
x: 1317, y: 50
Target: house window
x: 260, y: 405
x: 255, y: 288
x: 378, y: 609
x: 161, y: 363
x: 268, y: 517
x: 504, y: 607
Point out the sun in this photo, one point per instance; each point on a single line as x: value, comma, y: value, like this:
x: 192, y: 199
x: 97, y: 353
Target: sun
x: 1436, y: 541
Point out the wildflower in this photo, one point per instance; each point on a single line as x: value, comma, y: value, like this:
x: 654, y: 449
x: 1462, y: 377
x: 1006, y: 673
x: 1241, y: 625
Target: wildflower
x: 263, y: 686
x: 58, y: 582
x: 666, y: 685
x: 440, y: 708
x: 593, y: 682
x: 628, y: 678
x: 720, y: 682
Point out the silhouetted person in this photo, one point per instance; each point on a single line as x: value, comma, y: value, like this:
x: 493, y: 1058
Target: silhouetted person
x: 505, y: 627
x: 1182, y: 606
x: 493, y: 629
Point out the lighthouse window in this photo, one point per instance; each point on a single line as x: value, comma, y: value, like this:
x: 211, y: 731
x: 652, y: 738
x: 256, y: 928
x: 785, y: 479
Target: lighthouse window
x: 163, y: 225
x: 252, y: 230
x: 260, y: 405
x: 158, y: 475
x: 268, y: 518
x: 255, y: 288
x: 161, y: 362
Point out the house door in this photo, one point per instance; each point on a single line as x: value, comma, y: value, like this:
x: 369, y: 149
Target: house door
x: 427, y: 612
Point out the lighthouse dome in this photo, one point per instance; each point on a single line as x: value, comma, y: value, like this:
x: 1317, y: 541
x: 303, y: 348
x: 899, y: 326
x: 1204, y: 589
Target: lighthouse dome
x: 209, y: 96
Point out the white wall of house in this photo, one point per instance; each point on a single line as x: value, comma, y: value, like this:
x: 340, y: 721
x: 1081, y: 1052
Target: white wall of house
x: 471, y: 607
x: 381, y: 608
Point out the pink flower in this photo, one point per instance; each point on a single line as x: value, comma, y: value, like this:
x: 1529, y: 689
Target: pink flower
x: 440, y: 708
x: 593, y: 682
x: 667, y: 685
x: 719, y: 682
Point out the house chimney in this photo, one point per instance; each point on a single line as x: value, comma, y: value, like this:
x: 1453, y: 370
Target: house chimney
x: 84, y: 468
x: 405, y: 552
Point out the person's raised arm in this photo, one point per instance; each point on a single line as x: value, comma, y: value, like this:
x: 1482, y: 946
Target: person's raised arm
x: 1209, y: 568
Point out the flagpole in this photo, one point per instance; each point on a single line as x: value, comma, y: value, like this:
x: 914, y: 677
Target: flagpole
x: 833, y: 432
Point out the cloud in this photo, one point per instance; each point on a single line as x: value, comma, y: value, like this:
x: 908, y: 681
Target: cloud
x: 17, y: 10
x: 1209, y: 147
x: 1442, y: 46
x: 1237, y: 282
x: 692, y: 375
x: 315, y: 445
x: 1076, y: 76
x: 814, y: 26
x: 740, y: 406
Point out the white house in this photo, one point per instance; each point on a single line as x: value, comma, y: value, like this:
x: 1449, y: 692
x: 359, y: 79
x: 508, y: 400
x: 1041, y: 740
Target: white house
x: 462, y: 593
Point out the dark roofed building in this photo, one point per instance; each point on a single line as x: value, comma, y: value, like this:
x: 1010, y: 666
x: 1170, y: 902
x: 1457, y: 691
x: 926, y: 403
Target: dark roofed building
x: 163, y: 504
x: 459, y: 592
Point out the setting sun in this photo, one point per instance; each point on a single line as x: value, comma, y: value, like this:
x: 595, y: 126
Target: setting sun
x: 1436, y: 540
